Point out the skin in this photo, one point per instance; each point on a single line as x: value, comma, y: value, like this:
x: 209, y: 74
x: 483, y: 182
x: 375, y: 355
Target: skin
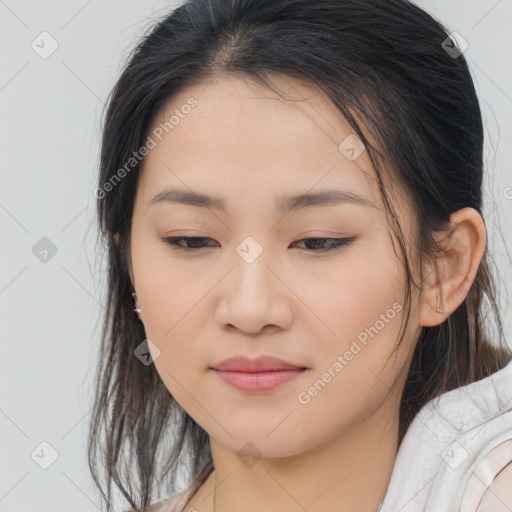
x: 248, y: 145
x: 498, y: 497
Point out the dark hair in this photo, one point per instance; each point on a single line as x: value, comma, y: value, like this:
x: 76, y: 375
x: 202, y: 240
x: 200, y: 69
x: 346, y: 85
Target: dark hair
x: 384, y: 66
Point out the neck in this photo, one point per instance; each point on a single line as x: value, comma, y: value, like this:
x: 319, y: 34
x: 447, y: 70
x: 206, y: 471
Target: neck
x: 349, y: 472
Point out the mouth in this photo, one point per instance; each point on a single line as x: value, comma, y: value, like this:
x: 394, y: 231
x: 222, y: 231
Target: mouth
x: 258, y: 381
x: 257, y: 375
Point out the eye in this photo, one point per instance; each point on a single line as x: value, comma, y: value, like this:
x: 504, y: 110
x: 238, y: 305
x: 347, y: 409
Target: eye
x: 174, y: 241
x: 335, y: 243
x: 318, y: 245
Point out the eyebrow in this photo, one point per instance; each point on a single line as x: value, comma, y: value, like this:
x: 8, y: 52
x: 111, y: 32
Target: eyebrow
x: 283, y: 204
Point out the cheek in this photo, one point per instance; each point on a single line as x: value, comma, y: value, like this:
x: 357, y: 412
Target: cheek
x: 361, y: 308
x: 174, y: 322
x: 352, y: 364
x: 360, y: 297
x: 166, y: 288
x: 181, y: 361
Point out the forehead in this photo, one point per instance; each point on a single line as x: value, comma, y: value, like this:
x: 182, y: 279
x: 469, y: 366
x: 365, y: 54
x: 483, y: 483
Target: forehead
x: 243, y: 139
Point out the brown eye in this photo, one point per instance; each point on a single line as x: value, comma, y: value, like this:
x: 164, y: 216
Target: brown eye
x: 334, y: 245
x: 194, y: 241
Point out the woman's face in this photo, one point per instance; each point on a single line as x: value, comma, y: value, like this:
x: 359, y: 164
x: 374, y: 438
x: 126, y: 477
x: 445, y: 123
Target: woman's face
x: 256, y: 285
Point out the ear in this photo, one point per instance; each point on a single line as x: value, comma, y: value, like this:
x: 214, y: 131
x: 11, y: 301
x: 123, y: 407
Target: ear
x: 448, y: 285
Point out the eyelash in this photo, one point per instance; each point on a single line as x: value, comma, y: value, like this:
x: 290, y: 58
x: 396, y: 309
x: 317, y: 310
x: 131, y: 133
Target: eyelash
x: 337, y: 245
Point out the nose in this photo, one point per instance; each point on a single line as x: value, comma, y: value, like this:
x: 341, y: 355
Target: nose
x: 255, y: 294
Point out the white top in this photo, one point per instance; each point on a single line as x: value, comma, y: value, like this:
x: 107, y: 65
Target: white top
x: 465, y: 430
x: 451, y: 453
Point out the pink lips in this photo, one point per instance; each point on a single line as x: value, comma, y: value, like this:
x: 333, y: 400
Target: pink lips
x: 254, y: 375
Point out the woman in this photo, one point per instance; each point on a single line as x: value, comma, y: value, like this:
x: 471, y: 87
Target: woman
x: 291, y: 198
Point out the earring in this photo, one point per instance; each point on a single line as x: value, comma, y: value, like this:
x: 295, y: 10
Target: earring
x: 439, y: 310
x: 137, y: 310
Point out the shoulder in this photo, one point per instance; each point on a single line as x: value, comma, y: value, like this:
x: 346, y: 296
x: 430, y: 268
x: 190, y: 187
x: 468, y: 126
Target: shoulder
x: 498, y: 497
x: 490, y: 486
x: 458, y: 446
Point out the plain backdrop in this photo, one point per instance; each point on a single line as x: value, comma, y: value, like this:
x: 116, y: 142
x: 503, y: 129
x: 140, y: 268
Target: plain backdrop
x: 50, y: 285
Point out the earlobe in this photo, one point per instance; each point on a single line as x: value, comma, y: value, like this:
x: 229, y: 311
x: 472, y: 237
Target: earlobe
x: 137, y: 309
x: 432, y: 309
x: 463, y: 247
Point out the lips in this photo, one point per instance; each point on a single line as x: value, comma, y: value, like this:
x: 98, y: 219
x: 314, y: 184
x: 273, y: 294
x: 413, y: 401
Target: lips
x: 257, y: 375
x: 260, y: 364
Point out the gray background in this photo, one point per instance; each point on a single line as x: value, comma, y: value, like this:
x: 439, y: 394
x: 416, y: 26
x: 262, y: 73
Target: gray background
x: 49, y: 135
